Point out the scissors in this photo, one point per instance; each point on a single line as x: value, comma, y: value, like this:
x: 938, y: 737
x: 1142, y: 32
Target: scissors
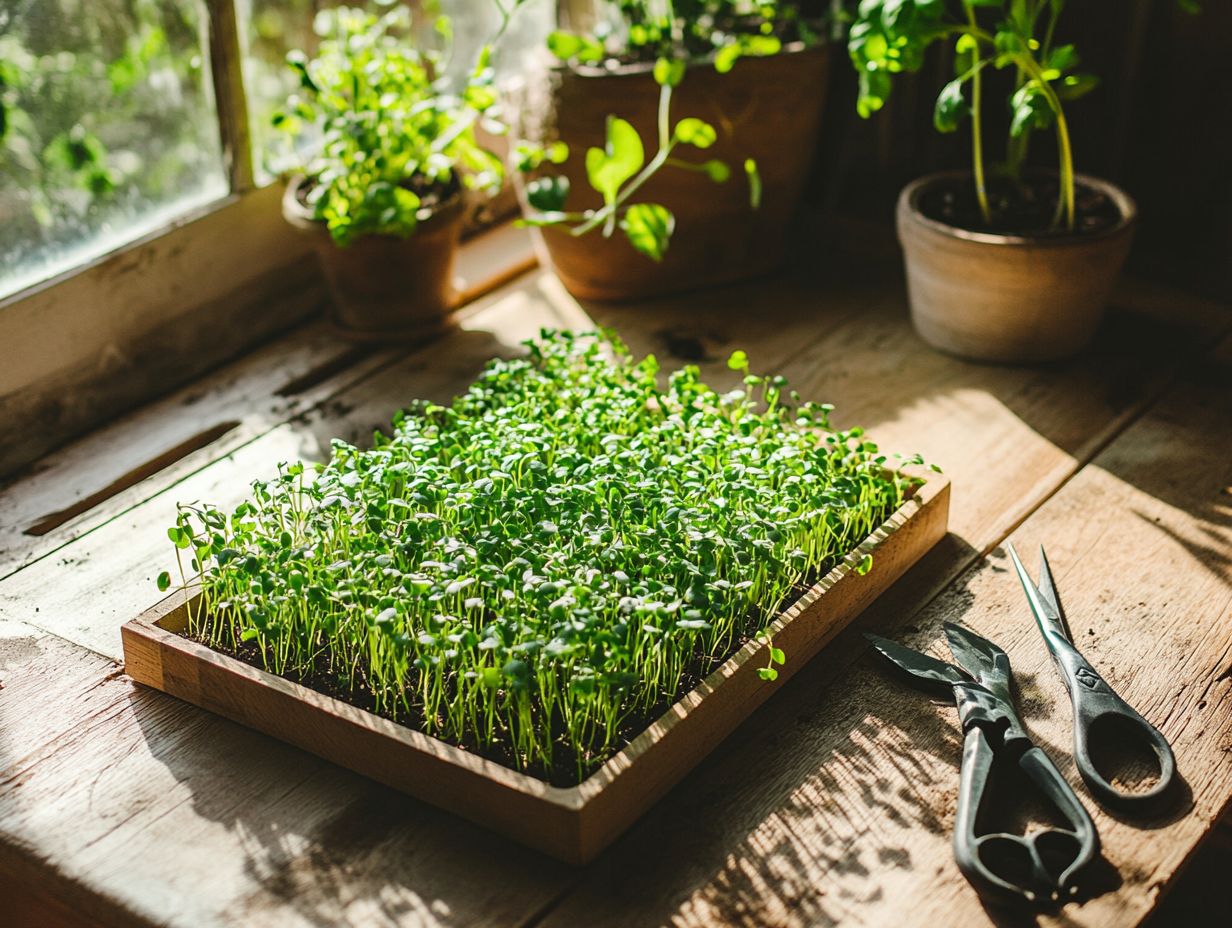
x: 1042, y: 868
x: 1099, y: 713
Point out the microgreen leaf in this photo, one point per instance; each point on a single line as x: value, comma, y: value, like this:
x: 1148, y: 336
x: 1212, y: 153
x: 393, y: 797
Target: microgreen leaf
x: 695, y: 132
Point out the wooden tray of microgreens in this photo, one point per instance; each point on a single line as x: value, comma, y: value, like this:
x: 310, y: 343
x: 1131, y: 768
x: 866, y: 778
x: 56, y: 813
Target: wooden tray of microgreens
x: 539, y: 607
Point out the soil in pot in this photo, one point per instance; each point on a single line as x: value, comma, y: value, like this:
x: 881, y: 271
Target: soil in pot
x: 385, y: 287
x: 1024, y: 207
x: 768, y: 109
x: 1020, y: 291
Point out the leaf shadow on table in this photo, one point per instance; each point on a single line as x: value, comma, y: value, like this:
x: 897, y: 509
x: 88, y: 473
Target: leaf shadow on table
x: 323, y: 846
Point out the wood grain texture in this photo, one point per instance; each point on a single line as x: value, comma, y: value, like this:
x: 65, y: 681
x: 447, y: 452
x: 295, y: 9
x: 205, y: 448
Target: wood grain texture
x: 837, y: 803
x: 217, y: 825
x: 574, y: 824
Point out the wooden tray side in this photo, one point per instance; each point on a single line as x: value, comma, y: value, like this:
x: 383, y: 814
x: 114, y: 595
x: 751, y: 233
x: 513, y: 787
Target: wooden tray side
x: 573, y: 824
x: 533, y: 812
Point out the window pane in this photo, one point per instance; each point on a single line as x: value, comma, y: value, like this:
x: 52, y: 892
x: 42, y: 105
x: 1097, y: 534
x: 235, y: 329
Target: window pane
x: 271, y: 28
x: 109, y: 127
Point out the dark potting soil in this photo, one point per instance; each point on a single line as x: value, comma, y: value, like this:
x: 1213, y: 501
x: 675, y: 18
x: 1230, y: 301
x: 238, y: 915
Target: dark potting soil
x: 564, y: 771
x: 1018, y: 208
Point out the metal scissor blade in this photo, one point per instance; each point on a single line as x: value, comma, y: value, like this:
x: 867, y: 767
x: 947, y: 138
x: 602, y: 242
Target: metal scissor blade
x: 1046, y: 617
x: 922, y: 667
x: 1048, y: 593
x: 981, y: 658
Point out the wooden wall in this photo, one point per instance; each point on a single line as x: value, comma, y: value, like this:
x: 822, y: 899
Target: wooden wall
x: 1160, y: 125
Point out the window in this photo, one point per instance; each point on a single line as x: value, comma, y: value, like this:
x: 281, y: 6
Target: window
x: 114, y: 125
x: 109, y: 128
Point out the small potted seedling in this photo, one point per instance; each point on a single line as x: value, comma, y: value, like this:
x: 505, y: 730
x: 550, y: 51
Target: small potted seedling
x: 624, y: 87
x: 389, y: 155
x: 1007, y: 263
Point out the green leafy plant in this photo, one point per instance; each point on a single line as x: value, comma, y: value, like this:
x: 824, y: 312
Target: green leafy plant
x: 889, y: 37
x: 388, y: 140
x: 619, y: 169
x: 93, y: 127
x: 672, y: 34
x: 544, y: 566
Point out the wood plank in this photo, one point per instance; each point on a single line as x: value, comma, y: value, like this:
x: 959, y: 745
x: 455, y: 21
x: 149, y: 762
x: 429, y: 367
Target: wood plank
x: 786, y: 325
x: 837, y: 804
x: 147, y: 318
x: 109, y: 471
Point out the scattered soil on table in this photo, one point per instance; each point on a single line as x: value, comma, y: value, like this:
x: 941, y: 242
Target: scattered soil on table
x: 564, y: 771
x: 1019, y: 208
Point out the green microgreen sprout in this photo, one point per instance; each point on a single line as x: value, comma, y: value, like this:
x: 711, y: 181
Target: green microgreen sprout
x: 539, y: 569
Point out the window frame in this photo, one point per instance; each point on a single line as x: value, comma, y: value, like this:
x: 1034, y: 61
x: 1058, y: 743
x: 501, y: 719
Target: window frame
x: 150, y: 314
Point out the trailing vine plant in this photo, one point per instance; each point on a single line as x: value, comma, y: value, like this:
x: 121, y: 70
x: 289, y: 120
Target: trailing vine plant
x: 675, y: 34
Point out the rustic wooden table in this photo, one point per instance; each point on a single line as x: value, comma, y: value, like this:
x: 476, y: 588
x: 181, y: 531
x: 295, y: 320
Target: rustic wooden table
x: 834, y: 803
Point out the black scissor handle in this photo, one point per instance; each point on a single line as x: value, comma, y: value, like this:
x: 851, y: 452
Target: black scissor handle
x: 1102, y: 716
x: 1041, y: 869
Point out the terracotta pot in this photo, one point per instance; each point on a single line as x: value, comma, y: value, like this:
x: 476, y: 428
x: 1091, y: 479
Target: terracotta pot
x: 768, y: 109
x: 1009, y: 298
x: 387, y: 288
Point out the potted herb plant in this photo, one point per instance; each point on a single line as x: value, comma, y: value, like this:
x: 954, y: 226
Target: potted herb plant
x: 389, y: 154
x: 1006, y: 263
x: 730, y: 65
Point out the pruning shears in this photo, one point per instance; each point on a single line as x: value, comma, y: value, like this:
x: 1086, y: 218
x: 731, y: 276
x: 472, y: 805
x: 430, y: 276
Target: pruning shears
x: 1100, y: 715
x: 1043, y: 868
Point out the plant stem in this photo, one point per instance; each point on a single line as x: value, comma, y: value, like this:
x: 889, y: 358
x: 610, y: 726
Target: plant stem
x: 977, y: 142
x: 666, y: 145
x: 1065, y: 154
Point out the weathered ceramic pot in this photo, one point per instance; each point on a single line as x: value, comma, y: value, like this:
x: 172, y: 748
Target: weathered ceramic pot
x: 1009, y: 298
x: 768, y: 109
x: 386, y: 288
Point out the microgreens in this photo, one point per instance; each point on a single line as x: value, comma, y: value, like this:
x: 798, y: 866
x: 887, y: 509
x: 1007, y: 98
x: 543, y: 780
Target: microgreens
x: 554, y: 557
x: 619, y: 169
